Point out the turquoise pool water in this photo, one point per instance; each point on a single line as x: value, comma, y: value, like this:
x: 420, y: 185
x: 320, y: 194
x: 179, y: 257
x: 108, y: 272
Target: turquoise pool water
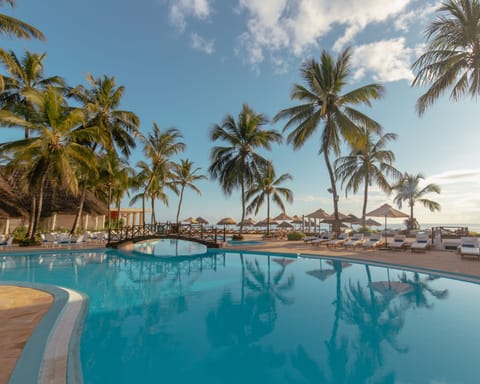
x: 170, y: 248
x: 233, y: 317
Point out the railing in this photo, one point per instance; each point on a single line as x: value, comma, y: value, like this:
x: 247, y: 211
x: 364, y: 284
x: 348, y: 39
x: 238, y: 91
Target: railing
x: 449, y: 232
x: 145, y: 231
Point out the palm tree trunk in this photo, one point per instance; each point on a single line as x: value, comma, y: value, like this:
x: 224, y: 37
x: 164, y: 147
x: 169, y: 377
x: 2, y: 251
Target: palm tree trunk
x: 180, y: 203
x: 109, y: 198
x: 268, y: 214
x: 365, y: 198
x: 32, y: 215
x: 38, y: 215
x: 143, y: 207
x: 336, y: 222
x: 243, y: 207
x: 118, y: 212
x: 80, y: 210
x: 410, y: 225
x: 153, y: 218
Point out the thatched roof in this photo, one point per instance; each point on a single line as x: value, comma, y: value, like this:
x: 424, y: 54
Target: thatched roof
x: 14, y: 203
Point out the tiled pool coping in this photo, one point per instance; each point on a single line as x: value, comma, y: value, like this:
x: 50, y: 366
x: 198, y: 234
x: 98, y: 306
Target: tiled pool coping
x: 51, y: 354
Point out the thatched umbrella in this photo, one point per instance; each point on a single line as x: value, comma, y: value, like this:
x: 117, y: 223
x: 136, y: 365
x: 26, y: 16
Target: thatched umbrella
x: 386, y: 210
x: 201, y: 220
x: 285, y: 224
x: 265, y: 222
x: 191, y: 220
x: 227, y: 221
x: 372, y: 223
x: 282, y: 216
x: 248, y: 222
x: 318, y: 214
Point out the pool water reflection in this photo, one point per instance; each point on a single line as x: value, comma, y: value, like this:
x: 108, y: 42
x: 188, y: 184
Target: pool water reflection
x: 249, y: 318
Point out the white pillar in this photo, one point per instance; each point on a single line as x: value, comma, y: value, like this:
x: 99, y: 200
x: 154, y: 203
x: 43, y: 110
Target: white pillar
x: 7, y: 225
x: 85, y: 225
x: 54, y: 221
x: 102, y: 222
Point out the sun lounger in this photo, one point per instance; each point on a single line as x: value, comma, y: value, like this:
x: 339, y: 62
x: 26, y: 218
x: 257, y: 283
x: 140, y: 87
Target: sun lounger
x: 373, y: 242
x: 469, y: 247
x: 322, y: 240
x: 354, y: 241
x: 421, y: 243
x: 340, y: 240
x: 398, y: 242
x: 8, y: 243
x: 307, y: 239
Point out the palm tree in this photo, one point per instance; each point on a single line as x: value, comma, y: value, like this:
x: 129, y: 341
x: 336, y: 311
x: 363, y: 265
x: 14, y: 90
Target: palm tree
x: 452, y: 58
x: 116, y: 129
x: 323, y: 102
x: 54, y: 153
x: 100, y: 103
x: 185, y: 175
x: 408, y: 190
x: 25, y: 73
x: 159, y: 147
x: 236, y: 164
x: 367, y: 163
x: 17, y: 28
x: 266, y: 186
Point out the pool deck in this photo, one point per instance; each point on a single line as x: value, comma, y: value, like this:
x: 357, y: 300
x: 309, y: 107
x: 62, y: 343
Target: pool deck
x: 22, y: 308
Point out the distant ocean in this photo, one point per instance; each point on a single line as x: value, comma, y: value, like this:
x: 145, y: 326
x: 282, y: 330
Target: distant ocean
x: 471, y: 227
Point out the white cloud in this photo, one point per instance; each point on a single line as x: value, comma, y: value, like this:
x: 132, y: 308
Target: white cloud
x: 296, y: 25
x: 404, y: 20
x: 203, y: 45
x: 387, y: 60
x: 180, y: 10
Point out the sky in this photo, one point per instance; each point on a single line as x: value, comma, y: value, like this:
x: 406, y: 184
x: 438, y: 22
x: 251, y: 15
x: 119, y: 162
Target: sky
x: 189, y: 63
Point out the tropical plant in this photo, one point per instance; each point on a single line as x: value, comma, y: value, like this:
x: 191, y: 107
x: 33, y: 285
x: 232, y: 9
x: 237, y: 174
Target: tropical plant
x: 266, y: 186
x: 408, y: 190
x: 159, y: 147
x: 368, y: 163
x: 452, y: 57
x: 100, y: 103
x: 185, y: 176
x: 323, y: 102
x: 25, y: 74
x: 116, y: 129
x: 236, y: 164
x: 11, y: 26
x: 54, y: 153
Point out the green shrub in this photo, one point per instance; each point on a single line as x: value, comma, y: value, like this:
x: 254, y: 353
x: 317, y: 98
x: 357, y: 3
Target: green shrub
x: 19, y: 233
x: 364, y: 230
x: 292, y: 236
x: 28, y: 242
x: 237, y: 237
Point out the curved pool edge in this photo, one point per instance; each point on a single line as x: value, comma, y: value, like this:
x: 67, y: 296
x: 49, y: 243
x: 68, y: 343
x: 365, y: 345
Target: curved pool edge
x: 51, y: 353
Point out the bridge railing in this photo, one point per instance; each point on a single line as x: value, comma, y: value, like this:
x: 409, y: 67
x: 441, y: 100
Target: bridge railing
x: 135, y: 232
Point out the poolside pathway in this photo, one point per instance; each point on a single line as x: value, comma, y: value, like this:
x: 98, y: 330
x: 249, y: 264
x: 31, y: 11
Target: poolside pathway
x: 448, y: 262
x: 21, y: 309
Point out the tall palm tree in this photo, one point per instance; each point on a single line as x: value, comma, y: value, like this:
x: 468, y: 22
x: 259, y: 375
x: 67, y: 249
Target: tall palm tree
x: 11, y: 26
x: 368, y: 163
x: 323, y: 102
x: 185, y: 176
x: 452, y: 57
x: 54, y: 153
x: 408, y: 190
x: 116, y: 128
x: 236, y: 164
x: 158, y: 148
x: 24, y: 74
x: 266, y: 186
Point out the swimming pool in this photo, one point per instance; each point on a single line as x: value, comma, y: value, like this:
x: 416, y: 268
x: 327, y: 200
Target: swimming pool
x: 231, y: 317
x: 170, y: 248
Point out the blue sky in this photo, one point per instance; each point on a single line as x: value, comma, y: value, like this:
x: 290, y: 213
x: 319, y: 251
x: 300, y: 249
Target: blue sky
x: 188, y: 63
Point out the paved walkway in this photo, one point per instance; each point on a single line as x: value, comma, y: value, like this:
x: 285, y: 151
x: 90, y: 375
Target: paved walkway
x: 448, y: 262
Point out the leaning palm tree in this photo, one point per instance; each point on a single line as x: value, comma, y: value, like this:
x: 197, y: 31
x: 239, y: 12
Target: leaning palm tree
x: 368, y: 163
x: 54, y: 153
x: 408, y: 190
x: 9, y: 26
x: 452, y: 57
x: 236, y: 164
x: 266, y: 186
x: 185, y: 176
x: 24, y: 74
x: 323, y: 102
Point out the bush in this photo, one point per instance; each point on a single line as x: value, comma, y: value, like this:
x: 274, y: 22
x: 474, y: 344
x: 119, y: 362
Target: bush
x: 293, y: 236
x: 28, y: 242
x: 237, y: 237
x: 19, y: 233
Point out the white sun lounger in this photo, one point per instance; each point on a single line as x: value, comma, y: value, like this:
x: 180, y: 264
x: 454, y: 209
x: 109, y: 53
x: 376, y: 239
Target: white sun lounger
x: 354, y: 241
x: 469, y: 247
x: 340, y: 240
x: 398, y: 242
x: 322, y: 240
x: 421, y: 243
x: 373, y: 242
